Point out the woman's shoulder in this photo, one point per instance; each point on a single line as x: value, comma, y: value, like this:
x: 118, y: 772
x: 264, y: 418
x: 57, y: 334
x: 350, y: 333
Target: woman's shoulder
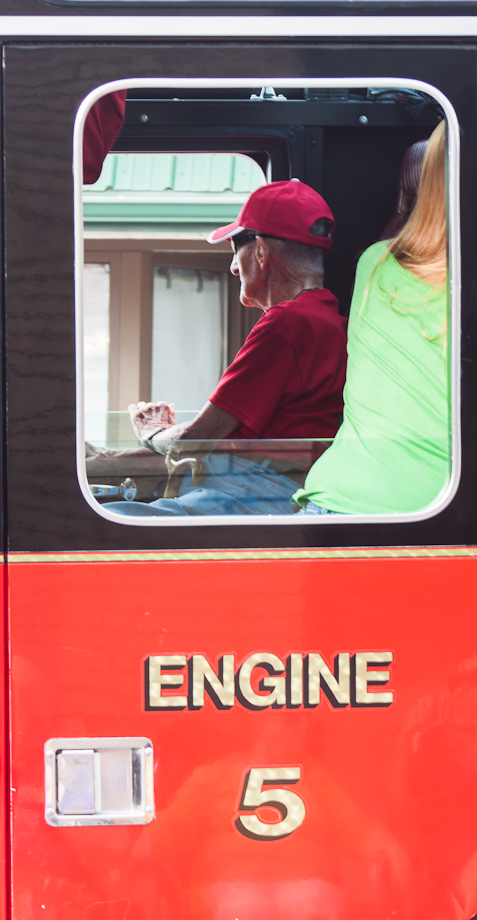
x: 369, y: 261
x: 371, y: 256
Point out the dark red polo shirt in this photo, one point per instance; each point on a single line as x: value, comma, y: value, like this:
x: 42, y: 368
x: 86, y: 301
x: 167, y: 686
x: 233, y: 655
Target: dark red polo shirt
x: 287, y: 379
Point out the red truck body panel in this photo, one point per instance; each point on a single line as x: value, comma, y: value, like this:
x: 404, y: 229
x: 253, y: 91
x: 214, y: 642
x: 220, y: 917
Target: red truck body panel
x: 389, y: 791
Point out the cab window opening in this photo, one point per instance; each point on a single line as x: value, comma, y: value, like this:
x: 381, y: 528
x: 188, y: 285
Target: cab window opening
x: 178, y: 463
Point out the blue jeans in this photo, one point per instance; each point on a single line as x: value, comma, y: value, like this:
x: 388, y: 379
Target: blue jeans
x: 311, y: 508
x: 232, y: 485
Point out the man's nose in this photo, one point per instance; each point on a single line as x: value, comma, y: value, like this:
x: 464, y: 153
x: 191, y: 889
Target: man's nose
x: 233, y: 265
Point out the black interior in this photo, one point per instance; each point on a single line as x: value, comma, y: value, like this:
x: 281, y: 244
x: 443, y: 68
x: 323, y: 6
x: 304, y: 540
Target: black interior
x: 308, y: 136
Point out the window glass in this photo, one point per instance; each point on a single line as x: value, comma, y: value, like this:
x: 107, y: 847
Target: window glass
x: 164, y: 320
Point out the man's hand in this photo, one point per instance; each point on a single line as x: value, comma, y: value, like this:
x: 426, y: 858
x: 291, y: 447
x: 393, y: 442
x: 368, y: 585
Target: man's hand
x: 210, y: 424
x: 146, y: 418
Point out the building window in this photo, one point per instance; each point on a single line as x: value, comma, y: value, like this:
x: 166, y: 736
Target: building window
x: 96, y: 276
x: 188, y: 337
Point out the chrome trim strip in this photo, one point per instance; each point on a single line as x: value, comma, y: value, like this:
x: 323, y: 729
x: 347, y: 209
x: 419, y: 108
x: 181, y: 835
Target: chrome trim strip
x: 249, y: 26
x: 455, y: 286
x: 244, y: 555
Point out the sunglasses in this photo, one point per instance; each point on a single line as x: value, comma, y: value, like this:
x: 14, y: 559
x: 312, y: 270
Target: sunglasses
x: 242, y: 238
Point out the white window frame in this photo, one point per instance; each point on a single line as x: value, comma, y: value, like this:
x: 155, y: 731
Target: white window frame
x: 453, y: 216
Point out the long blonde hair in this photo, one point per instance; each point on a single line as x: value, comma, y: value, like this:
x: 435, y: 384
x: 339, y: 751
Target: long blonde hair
x: 422, y: 240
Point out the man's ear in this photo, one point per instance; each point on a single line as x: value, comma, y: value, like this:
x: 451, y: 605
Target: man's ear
x: 262, y: 251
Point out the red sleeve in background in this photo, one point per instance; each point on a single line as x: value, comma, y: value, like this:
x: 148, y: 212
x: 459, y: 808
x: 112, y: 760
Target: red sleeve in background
x: 103, y: 124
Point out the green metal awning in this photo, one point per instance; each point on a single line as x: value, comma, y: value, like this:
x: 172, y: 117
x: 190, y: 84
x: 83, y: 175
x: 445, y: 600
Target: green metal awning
x: 169, y: 192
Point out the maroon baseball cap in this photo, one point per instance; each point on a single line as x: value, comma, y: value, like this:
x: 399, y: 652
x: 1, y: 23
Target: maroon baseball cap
x: 286, y: 210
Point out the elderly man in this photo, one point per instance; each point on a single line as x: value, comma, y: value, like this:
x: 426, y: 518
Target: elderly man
x: 287, y: 379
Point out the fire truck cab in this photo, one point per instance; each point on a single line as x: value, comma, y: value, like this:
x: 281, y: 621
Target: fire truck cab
x: 222, y: 717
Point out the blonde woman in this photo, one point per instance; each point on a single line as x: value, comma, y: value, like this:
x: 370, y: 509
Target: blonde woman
x: 391, y: 453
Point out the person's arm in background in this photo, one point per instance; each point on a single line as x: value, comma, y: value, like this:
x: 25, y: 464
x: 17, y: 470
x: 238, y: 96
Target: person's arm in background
x: 154, y: 425
x: 250, y: 389
x: 103, y: 124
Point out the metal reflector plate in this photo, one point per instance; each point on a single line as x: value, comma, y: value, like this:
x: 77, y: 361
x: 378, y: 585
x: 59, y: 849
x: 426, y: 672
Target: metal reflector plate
x: 75, y: 782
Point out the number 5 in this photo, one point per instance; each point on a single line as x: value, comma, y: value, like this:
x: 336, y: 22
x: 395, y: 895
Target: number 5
x: 288, y: 803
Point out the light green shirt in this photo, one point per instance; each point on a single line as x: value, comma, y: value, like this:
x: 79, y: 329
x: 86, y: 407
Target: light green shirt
x: 391, y: 453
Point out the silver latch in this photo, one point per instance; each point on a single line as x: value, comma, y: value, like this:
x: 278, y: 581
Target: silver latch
x: 99, y: 781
